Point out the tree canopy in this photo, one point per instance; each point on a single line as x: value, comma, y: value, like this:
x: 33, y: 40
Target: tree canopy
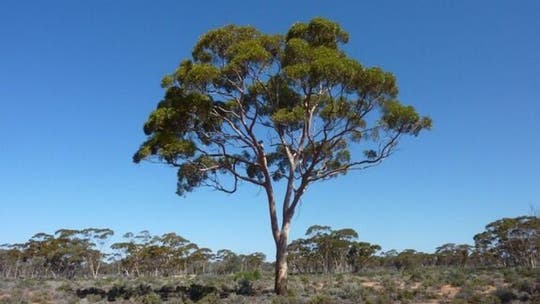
x: 298, y: 101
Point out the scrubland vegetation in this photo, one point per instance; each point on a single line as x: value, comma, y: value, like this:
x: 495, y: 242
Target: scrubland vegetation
x: 327, y: 266
x: 374, y: 285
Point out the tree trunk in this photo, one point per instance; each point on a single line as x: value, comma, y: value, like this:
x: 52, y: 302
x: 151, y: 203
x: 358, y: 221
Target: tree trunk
x: 280, y: 286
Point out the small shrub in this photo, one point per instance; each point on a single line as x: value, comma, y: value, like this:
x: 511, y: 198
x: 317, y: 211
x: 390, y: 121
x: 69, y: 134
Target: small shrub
x: 505, y: 295
x: 210, y: 299
x: 284, y: 300
x: 406, y: 295
x: 149, y: 298
x: 83, y: 293
x: 304, y: 279
x: 65, y: 287
x: 456, y: 278
x: 524, y: 285
x: 352, y: 292
x: 249, y: 275
x: 41, y: 296
x: 93, y: 298
x: 417, y: 275
x: 197, y: 292
x: 389, y: 285
x: 321, y: 299
x: 245, y: 287
x: 382, y: 299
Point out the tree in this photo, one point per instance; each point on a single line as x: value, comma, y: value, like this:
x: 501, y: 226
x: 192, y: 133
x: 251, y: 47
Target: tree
x: 330, y: 251
x: 361, y: 253
x: 511, y: 241
x: 227, y: 261
x: 96, y: 239
x: 450, y: 254
x: 275, y: 111
x: 330, y: 246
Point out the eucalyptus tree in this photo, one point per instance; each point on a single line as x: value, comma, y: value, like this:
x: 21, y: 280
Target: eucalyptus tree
x: 147, y: 254
x: 331, y: 246
x: 66, y: 253
x: 327, y: 250
x: 280, y: 112
x: 252, y: 262
x: 176, y: 251
x: 511, y: 241
x: 301, y: 256
x: 12, y: 260
x: 360, y: 254
x: 451, y: 254
x: 131, y: 251
x: 200, y: 259
x: 226, y: 261
x: 96, y: 240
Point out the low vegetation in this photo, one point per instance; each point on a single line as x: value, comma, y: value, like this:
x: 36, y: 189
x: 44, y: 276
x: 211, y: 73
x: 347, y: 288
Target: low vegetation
x: 378, y: 285
x: 327, y: 266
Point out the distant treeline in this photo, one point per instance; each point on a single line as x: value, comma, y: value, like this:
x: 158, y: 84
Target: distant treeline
x: 506, y: 242
x: 70, y: 253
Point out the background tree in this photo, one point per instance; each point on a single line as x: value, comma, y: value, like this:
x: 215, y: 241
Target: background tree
x: 361, y: 254
x: 451, y: 254
x: 136, y: 252
x: 11, y: 260
x: 200, y: 260
x: 252, y: 262
x: 70, y: 253
x: 226, y: 261
x: 261, y: 109
x: 96, y: 239
x: 168, y: 254
x: 511, y: 241
x: 330, y: 251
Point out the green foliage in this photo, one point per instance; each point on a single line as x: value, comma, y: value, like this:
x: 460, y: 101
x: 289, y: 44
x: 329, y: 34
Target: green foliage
x: 321, y: 299
x: 389, y: 286
x: 149, y: 298
x: 319, y: 32
x: 245, y: 287
x: 284, y: 300
x: 245, y: 281
x: 298, y: 85
x: 248, y: 275
x: 258, y: 108
x: 456, y: 278
x: 70, y: 253
x: 511, y: 241
x: 328, y: 250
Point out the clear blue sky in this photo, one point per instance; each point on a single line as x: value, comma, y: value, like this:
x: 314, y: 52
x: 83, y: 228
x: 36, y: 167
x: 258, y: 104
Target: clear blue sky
x: 78, y: 79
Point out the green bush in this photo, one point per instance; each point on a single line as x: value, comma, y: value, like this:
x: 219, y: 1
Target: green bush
x: 524, y: 285
x: 352, y: 291
x: 284, y: 300
x: 245, y: 281
x: 210, y: 299
x: 321, y: 299
x: 456, y: 278
x: 150, y: 298
x: 248, y: 275
x: 406, y: 295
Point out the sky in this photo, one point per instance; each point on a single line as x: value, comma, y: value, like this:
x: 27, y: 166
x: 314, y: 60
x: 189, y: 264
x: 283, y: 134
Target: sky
x: 79, y: 78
